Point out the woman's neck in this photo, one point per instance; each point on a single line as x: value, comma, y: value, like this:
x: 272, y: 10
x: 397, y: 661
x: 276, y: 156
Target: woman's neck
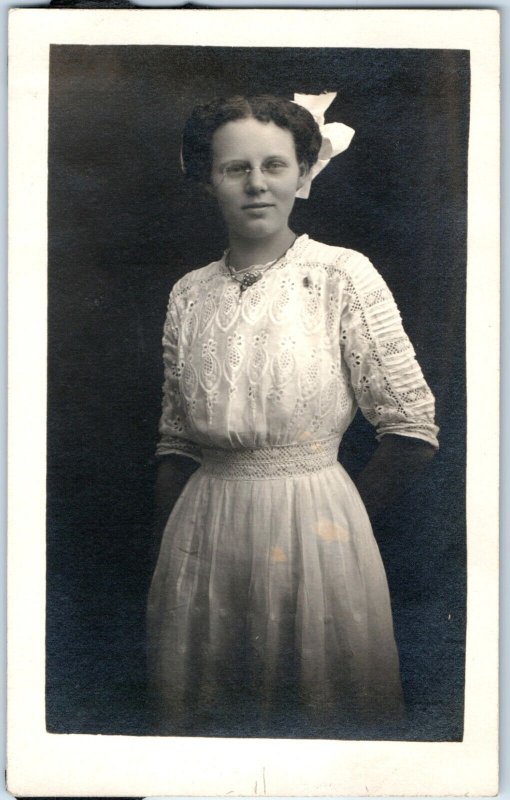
x: 249, y: 252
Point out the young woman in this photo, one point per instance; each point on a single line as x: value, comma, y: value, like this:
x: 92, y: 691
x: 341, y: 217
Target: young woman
x: 269, y: 604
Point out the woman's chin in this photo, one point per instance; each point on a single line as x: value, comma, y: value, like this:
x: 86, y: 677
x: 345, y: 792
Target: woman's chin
x: 257, y: 229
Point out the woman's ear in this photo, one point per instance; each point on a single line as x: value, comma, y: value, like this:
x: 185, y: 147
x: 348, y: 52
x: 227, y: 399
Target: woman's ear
x: 304, y: 171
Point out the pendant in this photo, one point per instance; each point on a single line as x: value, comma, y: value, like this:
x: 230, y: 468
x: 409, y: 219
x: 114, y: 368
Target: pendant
x: 249, y: 279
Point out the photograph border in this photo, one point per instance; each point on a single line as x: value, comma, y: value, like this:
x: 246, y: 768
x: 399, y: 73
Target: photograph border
x: 41, y: 763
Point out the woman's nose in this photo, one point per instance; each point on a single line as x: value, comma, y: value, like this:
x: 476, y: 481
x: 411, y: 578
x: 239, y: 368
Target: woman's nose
x: 256, y: 180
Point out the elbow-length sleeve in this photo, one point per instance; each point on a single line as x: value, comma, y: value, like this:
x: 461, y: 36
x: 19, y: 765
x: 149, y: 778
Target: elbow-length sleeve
x: 173, y: 428
x: 387, y: 381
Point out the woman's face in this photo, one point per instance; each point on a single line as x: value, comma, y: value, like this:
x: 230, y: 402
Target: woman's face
x: 255, y: 205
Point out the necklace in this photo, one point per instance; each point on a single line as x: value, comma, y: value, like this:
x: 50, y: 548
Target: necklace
x: 251, y: 276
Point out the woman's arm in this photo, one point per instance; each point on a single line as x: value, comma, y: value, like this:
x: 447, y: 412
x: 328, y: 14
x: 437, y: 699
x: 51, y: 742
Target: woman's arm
x: 172, y: 475
x: 394, y: 467
x: 176, y: 451
x: 388, y: 385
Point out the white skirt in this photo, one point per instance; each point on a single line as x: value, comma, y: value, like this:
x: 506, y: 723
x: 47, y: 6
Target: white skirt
x: 269, y: 588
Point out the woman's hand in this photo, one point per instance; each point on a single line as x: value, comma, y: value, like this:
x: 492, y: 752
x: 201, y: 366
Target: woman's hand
x: 394, y: 467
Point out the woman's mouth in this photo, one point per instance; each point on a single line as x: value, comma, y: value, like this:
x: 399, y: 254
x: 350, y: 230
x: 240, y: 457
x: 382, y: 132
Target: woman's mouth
x: 256, y: 206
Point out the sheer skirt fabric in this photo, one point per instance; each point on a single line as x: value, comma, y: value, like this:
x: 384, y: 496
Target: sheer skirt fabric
x: 272, y: 589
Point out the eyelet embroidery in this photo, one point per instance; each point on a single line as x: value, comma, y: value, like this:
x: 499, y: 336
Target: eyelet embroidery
x: 325, y: 307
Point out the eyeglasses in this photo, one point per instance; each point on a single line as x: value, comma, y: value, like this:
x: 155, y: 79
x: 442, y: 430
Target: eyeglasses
x: 238, y: 171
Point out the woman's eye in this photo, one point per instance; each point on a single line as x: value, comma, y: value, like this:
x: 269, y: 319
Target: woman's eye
x: 275, y: 167
x: 235, y: 170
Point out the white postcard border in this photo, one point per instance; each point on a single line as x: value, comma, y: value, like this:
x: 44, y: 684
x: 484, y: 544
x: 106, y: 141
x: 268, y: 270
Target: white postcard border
x: 40, y: 763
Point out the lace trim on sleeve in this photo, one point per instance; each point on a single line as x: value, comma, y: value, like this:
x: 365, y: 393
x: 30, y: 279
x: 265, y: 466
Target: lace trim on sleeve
x: 180, y: 447
x: 386, y: 378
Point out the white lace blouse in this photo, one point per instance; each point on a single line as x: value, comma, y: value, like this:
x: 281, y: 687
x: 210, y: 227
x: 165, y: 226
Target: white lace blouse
x: 290, y: 359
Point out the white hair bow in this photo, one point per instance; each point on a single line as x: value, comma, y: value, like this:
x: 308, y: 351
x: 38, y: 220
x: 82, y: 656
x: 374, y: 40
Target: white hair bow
x: 336, y: 137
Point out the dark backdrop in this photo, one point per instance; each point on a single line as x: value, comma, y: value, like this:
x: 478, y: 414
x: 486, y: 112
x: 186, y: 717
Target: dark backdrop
x: 124, y: 225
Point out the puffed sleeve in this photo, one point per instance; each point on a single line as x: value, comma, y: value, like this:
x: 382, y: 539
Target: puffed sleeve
x: 386, y: 378
x: 173, y: 429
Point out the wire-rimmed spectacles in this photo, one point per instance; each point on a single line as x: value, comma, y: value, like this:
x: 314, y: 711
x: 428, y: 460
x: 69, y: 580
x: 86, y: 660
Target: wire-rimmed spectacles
x: 239, y: 170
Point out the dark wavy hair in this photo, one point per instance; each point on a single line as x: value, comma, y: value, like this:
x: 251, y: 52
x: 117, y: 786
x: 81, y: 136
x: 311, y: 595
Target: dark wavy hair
x: 207, y: 118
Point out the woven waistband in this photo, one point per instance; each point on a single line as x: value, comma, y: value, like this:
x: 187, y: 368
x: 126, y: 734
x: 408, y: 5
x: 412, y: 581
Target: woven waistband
x: 260, y: 463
